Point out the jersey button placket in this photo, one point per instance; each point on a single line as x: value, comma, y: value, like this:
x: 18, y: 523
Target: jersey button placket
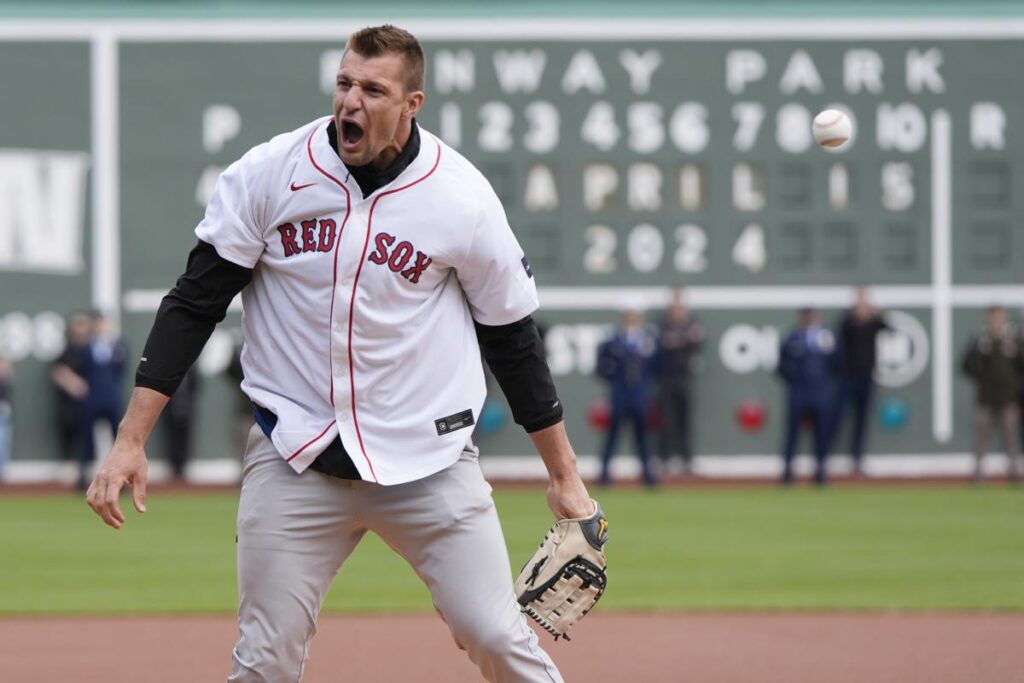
x: 339, y: 359
x: 351, y: 244
x: 344, y: 293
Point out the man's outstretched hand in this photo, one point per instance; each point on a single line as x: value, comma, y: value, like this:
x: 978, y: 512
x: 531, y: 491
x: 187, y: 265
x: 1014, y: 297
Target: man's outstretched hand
x: 126, y: 464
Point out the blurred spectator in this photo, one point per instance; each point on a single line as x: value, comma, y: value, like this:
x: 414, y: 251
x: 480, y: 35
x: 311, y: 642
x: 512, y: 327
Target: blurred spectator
x: 806, y: 366
x: 994, y: 361
x: 679, y: 340
x: 68, y: 376
x: 858, y: 339
x: 1020, y: 377
x: 104, y: 401
x: 178, y: 418
x: 243, y: 420
x: 626, y: 361
x: 6, y: 413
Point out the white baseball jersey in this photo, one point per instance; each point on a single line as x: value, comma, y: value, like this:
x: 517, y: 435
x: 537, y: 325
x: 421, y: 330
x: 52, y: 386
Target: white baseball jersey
x: 358, y: 320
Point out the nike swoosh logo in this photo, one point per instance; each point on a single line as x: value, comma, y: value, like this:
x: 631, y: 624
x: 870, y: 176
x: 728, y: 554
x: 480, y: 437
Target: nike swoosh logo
x: 296, y: 188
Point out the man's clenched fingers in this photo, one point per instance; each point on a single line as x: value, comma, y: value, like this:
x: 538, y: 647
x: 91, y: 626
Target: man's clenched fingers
x: 102, y: 498
x: 91, y: 496
x: 111, y: 504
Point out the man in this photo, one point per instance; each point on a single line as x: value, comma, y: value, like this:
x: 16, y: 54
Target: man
x: 679, y: 340
x: 994, y: 361
x: 68, y: 376
x: 104, y: 376
x: 179, y: 419
x: 242, y: 417
x: 1020, y: 377
x: 805, y: 365
x: 366, y: 252
x: 626, y: 362
x: 6, y: 412
x: 858, y: 339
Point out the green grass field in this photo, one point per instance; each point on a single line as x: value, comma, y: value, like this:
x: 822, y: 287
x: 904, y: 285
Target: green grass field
x: 886, y: 548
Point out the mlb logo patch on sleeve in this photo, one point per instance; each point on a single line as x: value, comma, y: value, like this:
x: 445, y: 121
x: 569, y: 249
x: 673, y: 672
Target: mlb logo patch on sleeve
x: 526, y: 267
x: 453, y: 422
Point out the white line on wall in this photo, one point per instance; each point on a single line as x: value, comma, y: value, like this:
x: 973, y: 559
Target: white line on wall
x: 711, y: 298
x: 942, y: 277
x: 550, y: 28
x: 148, y: 301
x: 227, y: 471
x: 106, y: 242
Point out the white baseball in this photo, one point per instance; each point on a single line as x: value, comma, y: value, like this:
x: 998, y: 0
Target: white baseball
x: 832, y: 128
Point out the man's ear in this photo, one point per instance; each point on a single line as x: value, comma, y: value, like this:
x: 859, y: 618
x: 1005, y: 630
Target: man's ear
x: 413, y: 103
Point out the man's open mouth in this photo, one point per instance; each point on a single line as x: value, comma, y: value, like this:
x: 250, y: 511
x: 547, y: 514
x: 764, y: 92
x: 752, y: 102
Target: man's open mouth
x: 351, y: 133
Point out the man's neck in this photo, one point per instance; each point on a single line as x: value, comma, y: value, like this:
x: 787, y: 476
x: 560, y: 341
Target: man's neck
x: 390, y: 153
x: 371, y: 178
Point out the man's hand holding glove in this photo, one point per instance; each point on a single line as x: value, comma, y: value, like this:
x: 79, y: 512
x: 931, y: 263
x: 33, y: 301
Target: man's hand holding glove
x: 566, y: 576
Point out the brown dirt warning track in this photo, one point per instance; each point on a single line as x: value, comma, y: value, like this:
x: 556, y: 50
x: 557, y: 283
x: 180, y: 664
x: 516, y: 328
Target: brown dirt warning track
x: 637, y: 648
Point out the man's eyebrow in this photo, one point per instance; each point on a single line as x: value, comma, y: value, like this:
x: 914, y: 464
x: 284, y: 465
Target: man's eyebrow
x: 365, y: 83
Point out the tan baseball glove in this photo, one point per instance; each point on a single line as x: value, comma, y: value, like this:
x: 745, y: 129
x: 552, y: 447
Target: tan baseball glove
x: 566, y: 576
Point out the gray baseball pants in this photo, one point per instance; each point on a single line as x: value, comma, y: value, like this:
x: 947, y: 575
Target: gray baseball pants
x: 296, y: 530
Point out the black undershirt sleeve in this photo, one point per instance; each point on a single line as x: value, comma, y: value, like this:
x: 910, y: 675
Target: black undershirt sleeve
x: 515, y: 354
x: 187, y: 316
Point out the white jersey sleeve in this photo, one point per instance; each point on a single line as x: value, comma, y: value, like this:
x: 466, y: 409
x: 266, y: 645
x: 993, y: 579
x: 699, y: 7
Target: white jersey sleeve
x: 231, y: 223
x: 495, y: 275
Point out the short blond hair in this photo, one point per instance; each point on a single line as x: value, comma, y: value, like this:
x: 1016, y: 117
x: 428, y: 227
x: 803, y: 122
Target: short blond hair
x: 374, y: 41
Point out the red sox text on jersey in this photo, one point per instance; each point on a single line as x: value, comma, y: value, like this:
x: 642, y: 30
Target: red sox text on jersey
x: 396, y: 259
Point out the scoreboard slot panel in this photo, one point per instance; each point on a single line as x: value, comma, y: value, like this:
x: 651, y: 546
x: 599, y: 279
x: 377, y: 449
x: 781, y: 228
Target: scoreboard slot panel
x: 546, y: 236
x: 796, y: 247
x: 991, y: 246
x: 841, y: 250
x: 989, y: 183
x: 901, y: 252
x: 796, y: 190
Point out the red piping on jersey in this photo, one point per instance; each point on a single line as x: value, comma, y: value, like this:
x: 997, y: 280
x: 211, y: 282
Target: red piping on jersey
x: 352, y: 301
x: 337, y: 241
x: 309, y: 443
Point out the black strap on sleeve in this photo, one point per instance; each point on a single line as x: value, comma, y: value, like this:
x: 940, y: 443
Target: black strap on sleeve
x: 515, y: 354
x: 187, y: 316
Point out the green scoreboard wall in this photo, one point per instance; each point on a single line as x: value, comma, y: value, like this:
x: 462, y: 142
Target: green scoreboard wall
x: 632, y: 156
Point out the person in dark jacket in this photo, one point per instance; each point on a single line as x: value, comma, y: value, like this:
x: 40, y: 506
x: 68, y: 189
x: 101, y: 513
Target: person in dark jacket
x: 178, y: 419
x: 626, y: 361
x: 858, y: 339
x: 104, y: 403
x: 1020, y: 378
x: 243, y: 419
x: 6, y: 413
x: 806, y: 361
x: 994, y: 361
x: 68, y: 376
x: 679, y: 340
